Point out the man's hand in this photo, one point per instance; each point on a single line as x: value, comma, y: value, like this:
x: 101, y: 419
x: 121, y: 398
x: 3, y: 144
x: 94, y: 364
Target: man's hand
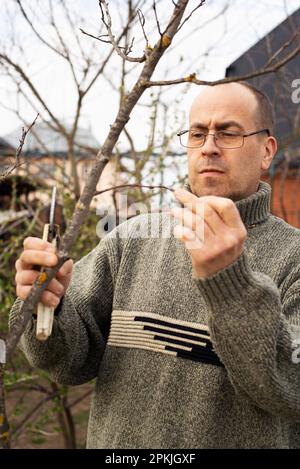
x: 211, y: 229
x: 39, y: 252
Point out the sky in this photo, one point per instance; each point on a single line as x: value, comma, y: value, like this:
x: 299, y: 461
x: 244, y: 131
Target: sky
x: 202, y: 46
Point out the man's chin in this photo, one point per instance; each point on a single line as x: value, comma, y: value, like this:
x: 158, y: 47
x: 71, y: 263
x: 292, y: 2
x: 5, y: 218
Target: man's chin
x: 212, y: 190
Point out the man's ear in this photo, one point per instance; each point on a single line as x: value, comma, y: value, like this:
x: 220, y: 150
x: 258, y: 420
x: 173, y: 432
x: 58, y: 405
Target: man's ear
x: 270, y: 152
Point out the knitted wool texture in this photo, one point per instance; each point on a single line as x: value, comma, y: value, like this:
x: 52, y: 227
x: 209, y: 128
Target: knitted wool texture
x: 182, y: 362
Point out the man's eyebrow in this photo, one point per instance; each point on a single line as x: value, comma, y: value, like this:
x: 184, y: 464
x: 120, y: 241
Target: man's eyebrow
x: 221, y: 126
x: 227, y: 124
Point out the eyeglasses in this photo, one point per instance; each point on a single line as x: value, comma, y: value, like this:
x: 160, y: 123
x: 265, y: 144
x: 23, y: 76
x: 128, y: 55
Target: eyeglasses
x: 223, y: 139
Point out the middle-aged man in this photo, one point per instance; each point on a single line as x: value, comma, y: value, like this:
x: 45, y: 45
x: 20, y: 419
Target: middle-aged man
x: 193, y: 338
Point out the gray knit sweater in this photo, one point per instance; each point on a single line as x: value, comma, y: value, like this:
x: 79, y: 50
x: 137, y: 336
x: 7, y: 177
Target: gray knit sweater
x: 182, y: 362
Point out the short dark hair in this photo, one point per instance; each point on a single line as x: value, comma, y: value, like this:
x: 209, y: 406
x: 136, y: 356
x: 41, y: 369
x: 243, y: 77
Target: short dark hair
x: 265, y: 111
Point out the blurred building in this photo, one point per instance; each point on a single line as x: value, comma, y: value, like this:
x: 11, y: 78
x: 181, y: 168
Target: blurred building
x: 46, y: 160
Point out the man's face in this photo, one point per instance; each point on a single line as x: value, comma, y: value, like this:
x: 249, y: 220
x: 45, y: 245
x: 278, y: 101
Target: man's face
x: 228, y: 107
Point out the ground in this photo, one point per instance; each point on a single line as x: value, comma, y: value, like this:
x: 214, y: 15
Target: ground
x: 42, y: 429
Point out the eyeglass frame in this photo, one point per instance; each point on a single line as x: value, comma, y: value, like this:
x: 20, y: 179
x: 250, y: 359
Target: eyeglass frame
x: 228, y: 148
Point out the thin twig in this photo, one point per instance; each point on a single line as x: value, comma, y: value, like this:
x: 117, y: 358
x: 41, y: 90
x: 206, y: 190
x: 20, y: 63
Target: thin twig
x: 106, y: 19
x: 284, y: 46
x: 80, y: 398
x: 156, y: 18
x: 17, y: 162
x: 54, y: 49
x: 29, y: 414
x: 193, y: 79
x: 22, y: 140
x: 20, y: 71
x: 142, y: 23
x: 133, y: 185
x: 99, y: 38
x: 188, y: 17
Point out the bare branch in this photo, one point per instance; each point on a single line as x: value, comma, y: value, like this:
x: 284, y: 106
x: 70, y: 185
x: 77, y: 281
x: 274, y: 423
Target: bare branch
x: 80, y: 398
x: 129, y: 48
x: 188, y: 17
x: 106, y: 19
x: 99, y: 38
x: 67, y: 55
x: 121, y: 186
x: 35, y: 92
x: 193, y: 79
x: 284, y: 46
x: 29, y: 414
x: 142, y: 23
x: 201, y: 26
x: 4, y: 424
x: 54, y: 49
x: 89, y: 189
x: 73, y: 28
x: 156, y: 18
x: 17, y: 162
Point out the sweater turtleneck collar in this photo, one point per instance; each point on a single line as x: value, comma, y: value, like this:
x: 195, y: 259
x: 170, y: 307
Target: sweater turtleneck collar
x: 255, y: 208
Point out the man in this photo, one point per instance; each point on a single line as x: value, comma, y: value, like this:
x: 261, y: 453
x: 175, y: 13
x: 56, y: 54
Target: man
x: 191, y: 337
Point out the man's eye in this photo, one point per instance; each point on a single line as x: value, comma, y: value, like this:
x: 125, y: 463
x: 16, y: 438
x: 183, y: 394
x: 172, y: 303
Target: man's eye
x: 197, y: 135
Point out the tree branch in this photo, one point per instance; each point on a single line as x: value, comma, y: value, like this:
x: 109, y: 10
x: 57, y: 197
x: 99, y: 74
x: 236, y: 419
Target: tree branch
x: 193, y: 11
x: 284, y: 46
x: 89, y: 189
x: 106, y: 19
x: 121, y: 186
x: 193, y: 79
x: 17, y: 162
x: 27, y: 80
x: 46, y: 43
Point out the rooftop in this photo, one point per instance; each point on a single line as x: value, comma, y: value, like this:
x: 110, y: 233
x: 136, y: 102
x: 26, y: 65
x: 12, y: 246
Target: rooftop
x: 43, y: 140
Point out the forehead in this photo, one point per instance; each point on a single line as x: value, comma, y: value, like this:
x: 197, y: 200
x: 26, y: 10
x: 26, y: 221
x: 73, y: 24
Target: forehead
x: 228, y: 102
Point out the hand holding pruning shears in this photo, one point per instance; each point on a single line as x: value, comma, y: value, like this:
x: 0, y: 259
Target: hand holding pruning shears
x: 42, y: 252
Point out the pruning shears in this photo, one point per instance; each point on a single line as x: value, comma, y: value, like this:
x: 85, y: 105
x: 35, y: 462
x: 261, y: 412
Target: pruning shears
x: 45, y: 314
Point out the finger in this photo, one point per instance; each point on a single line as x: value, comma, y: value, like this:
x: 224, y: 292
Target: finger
x: 225, y: 208
x: 206, y: 223
x: 185, y: 197
x: 188, y: 200
x: 66, y: 269
x: 213, y: 219
x: 30, y: 257
x: 21, y: 265
x: 201, y: 207
x: 28, y: 277
x: 38, y: 244
x: 188, y: 237
x: 192, y: 221
x: 48, y: 298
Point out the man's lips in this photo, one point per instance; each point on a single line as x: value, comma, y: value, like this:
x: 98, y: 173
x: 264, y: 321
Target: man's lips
x: 211, y: 171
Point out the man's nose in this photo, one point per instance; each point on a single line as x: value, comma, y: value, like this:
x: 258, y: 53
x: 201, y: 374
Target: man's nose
x: 210, y: 147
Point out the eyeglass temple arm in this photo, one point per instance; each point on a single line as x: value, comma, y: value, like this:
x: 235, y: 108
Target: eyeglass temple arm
x: 257, y: 132
x: 182, y: 132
